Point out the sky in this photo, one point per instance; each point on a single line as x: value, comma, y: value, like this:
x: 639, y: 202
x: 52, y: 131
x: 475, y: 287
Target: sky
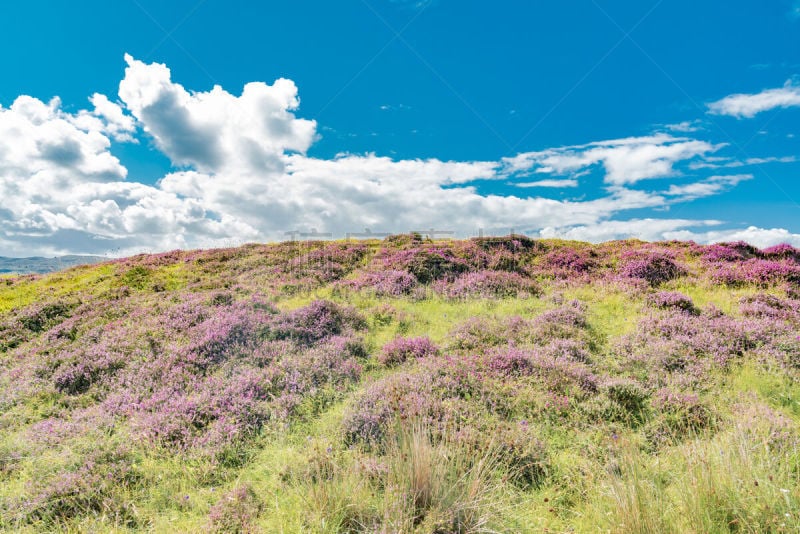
x: 141, y: 126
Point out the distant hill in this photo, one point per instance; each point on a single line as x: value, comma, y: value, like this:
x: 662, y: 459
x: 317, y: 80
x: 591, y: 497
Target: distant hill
x: 43, y: 265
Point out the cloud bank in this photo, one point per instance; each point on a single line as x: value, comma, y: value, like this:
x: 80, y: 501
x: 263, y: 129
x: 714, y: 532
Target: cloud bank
x: 242, y: 173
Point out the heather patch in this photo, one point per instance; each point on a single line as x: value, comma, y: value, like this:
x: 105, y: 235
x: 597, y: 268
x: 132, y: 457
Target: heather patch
x: 426, y: 264
x: 488, y: 284
x: 755, y: 271
x: 464, y: 393
x: 382, y: 283
x: 765, y: 305
x: 315, y: 322
x: 782, y: 251
x: 402, y: 349
x: 93, y: 483
x: 569, y: 263
x: 653, y: 266
x: 727, y: 252
x: 236, y: 511
x: 674, y: 345
x: 33, y: 320
x: 672, y: 300
x: 207, y: 373
x: 407, y: 385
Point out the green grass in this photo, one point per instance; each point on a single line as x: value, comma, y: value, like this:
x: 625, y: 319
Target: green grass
x: 91, y: 280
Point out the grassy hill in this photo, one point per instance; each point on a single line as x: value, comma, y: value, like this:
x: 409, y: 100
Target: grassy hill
x: 489, y: 385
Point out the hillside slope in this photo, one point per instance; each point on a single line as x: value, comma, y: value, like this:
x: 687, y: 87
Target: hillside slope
x: 498, y: 384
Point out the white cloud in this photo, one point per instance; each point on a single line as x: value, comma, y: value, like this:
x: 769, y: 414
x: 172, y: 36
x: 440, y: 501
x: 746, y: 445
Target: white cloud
x: 216, y: 131
x: 242, y: 175
x: 61, y: 190
x: 41, y: 143
x: 684, y: 127
x: 625, y: 161
x: 556, y: 183
x: 708, y: 187
x: 119, y: 125
x: 744, y: 105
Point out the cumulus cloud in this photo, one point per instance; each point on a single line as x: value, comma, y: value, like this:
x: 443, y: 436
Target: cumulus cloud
x: 357, y: 191
x: 114, y: 121
x: 242, y: 174
x: 61, y: 190
x: 744, y: 105
x: 625, y: 161
x: 43, y: 145
x: 215, y: 131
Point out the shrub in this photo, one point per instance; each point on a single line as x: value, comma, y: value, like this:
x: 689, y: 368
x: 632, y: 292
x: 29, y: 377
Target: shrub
x: 319, y: 320
x: 564, y: 322
x: 403, y: 240
x: 400, y: 396
x: 782, y: 251
x: 630, y: 396
x: 568, y: 262
x: 755, y: 271
x: 426, y: 264
x: 93, y: 486
x: 384, y: 283
x: 512, y: 362
x: 43, y: 316
x: 553, y: 371
x: 480, y: 333
x: 764, y: 305
x: 226, y: 333
x: 673, y: 300
x: 137, y: 277
x: 91, y: 367
x: 327, y: 263
x: 33, y: 320
x: 401, y: 349
x: 692, y: 345
x: 209, y: 413
x: 489, y: 284
x: 523, y: 456
x: 728, y: 252
x: 236, y: 511
x: 683, y: 412
x: 654, y: 267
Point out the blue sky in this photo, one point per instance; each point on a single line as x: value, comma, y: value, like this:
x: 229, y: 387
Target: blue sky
x: 590, y: 119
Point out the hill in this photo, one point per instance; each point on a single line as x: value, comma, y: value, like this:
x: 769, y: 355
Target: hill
x: 404, y: 385
x: 39, y: 265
